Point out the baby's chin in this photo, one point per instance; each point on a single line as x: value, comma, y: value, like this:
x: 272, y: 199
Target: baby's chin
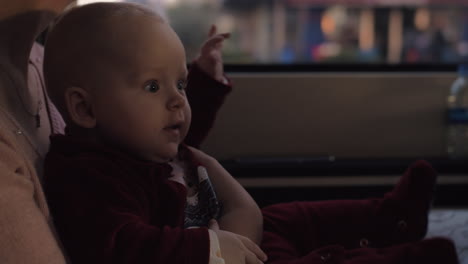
x: 160, y: 154
x: 163, y: 157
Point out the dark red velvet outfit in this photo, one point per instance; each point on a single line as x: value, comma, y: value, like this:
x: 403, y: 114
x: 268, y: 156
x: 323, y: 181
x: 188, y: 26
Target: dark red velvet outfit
x: 387, y: 230
x: 112, y: 208
x: 109, y: 207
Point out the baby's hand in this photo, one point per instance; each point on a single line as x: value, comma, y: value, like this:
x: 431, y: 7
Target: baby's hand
x: 237, y: 249
x: 210, y: 59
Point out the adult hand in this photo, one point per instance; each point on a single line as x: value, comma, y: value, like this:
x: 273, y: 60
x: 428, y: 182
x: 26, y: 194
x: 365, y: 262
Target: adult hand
x: 205, y: 159
x: 236, y: 201
x: 237, y: 249
x: 210, y: 59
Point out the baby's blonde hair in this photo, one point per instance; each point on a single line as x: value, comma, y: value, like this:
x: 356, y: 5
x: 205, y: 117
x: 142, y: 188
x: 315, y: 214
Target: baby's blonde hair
x: 79, y: 46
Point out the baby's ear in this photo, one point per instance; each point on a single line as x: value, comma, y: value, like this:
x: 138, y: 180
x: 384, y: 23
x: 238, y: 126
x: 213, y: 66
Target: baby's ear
x: 80, y: 107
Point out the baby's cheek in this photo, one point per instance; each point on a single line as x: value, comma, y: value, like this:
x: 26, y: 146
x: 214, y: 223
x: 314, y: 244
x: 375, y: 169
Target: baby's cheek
x: 188, y: 120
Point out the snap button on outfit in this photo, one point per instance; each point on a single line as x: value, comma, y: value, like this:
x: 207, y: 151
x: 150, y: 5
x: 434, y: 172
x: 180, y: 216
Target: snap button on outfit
x: 364, y: 243
x: 325, y: 257
x: 402, y: 225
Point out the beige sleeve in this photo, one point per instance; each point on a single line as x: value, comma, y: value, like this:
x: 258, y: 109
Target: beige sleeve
x: 25, y: 235
x: 215, y: 250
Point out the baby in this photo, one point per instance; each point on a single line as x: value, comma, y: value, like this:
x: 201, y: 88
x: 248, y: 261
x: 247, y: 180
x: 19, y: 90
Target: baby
x: 119, y: 180
x: 124, y: 188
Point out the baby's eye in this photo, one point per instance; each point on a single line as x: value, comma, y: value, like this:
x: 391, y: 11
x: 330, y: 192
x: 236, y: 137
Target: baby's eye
x: 181, y: 85
x: 152, y: 86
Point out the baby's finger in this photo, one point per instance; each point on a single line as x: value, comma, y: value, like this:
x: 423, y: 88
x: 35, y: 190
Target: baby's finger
x: 218, y: 38
x: 251, y: 258
x: 225, y: 35
x: 213, y: 225
x: 253, y: 248
x: 212, y: 43
x: 212, y: 31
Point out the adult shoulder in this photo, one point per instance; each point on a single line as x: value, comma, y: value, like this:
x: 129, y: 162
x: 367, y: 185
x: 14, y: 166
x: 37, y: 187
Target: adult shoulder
x: 26, y: 234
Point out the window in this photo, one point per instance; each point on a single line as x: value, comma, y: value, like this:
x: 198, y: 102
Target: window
x: 324, y: 31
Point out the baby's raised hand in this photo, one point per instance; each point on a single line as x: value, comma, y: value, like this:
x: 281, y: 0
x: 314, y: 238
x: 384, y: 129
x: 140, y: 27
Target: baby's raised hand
x: 237, y: 249
x: 210, y: 59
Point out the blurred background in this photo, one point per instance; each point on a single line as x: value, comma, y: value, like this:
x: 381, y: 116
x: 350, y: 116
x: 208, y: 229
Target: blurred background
x: 324, y: 31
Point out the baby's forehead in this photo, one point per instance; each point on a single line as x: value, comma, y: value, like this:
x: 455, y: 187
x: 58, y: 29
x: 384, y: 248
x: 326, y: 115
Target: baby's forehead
x: 121, y: 38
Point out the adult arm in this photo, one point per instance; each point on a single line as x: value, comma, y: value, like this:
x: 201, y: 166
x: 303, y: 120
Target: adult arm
x: 25, y: 234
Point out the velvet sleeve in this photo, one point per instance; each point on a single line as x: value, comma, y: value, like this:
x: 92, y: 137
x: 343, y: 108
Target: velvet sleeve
x: 104, y: 220
x: 205, y: 96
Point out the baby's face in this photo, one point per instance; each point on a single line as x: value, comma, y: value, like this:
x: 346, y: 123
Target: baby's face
x: 141, y: 106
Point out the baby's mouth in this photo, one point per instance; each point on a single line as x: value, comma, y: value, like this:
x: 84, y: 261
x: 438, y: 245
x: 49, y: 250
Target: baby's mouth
x: 174, y: 129
x: 177, y: 126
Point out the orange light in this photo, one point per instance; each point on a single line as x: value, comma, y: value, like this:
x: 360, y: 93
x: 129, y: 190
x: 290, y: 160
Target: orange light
x: 422, y: 19
x: 328, y: 24
x: 366, y: 30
